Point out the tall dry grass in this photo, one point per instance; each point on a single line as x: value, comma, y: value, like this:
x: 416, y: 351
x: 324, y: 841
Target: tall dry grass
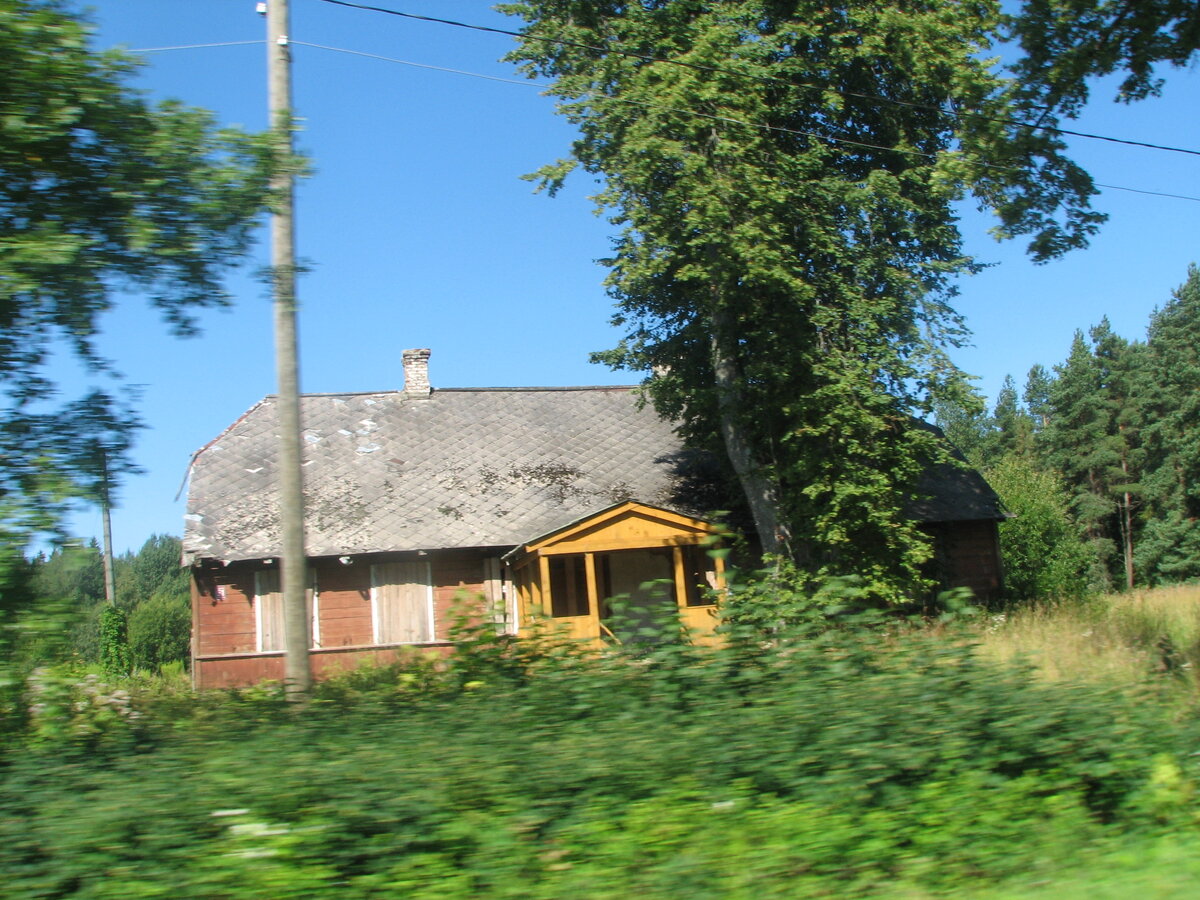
x: 1133, y: 639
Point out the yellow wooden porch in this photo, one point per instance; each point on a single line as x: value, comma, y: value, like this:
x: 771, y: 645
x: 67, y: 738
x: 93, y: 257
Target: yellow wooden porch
x: 634, y: 550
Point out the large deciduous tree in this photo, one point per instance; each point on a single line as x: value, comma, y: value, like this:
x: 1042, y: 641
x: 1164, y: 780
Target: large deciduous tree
x: 100, y: 191
x: 784, y: 173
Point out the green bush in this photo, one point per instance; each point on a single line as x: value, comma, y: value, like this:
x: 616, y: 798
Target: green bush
x: 838, y: 765
x: 1044, y: 554
x: 114, y: 641
x: 160, y: 632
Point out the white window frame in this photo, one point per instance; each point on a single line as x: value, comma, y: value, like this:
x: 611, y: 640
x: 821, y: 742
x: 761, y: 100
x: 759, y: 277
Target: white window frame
x: 314, y: 625
x: 259, y: 595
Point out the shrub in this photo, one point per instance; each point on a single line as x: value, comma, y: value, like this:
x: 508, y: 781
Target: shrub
x: 160, y: 631
x: 839, y: 764
x: 1044, y: 554
x: 114, y: 641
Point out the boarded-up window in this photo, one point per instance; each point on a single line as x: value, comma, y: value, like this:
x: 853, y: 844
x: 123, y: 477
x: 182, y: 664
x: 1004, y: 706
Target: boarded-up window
x: 402, y: 602
x: 268, y: 610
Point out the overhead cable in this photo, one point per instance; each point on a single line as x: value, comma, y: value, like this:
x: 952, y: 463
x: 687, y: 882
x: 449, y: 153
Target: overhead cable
x: 719, y: 118
x: 416, y: 65
x: 191, y: 46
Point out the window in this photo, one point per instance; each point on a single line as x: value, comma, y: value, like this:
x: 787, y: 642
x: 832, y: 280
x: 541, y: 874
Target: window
x: 401, y: 602
x: 701, y: 577
x: 268, y: 611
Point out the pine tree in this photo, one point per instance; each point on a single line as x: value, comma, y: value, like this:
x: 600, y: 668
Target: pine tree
x: 1170, y: 548
x: 1013, y: 427
x: 1076, y: 442
x: 1091, y: 438
x: 1037, y: 397
x: 1118, y: 363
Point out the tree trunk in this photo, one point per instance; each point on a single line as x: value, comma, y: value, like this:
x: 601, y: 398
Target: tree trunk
x: 1127, y: 527
x: 762, y: 492
x: 1127, y: 539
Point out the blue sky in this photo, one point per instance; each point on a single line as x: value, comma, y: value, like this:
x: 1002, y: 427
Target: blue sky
x: 420, y: 233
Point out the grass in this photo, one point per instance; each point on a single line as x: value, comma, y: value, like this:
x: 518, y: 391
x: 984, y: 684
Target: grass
x: 1132, y: 639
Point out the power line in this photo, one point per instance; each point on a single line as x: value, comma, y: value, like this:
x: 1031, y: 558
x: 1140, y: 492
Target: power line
x: 526, y: 83
x: 190, y: 46
x: 718, y: 118
x: 417, y: 65
x: 704, y: 68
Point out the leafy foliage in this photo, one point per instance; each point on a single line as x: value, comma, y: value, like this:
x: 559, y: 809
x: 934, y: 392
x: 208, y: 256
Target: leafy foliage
x: 58, y: 612
x: 99, y: 191
x: 1068, y: 41
x: 114, y: 641
x: 841, y: 765
x: 1044, y: 556
x: 160, y: 631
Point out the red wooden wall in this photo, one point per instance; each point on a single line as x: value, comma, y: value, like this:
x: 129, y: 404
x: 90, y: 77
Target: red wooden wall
x: 223, y: 628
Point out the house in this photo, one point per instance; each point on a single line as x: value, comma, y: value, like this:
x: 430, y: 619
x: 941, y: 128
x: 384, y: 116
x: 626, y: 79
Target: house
x: 546, y: 501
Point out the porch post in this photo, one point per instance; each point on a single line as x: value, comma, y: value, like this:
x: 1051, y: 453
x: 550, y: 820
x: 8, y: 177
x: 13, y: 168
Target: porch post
x: 593, y: 593
x: 545, y: 600
x: 680, y: 577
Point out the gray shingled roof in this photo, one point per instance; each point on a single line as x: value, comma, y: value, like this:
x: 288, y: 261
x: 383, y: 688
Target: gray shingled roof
x: 491, y: 467
x: 461, y: 468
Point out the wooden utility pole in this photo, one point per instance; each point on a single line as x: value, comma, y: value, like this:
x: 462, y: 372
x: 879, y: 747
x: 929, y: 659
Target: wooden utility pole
x: 294, y: 581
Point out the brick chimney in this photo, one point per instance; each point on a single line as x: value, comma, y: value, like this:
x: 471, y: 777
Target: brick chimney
x: 416, y: 373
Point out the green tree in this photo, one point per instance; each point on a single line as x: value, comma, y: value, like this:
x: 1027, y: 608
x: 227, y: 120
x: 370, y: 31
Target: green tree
x: 67, y: 589
x: 1075, y: 441
x: 1092, y: 440
x: 155, y: 569
x: 160, y: 631
x: 1170, y: 547
x: 1036, y: 395
x: 966, y: 424
x: 114, y: 640
x: 1120, y: 372
x: 785, y: 177
x: 1013, y: 425
x: 154, y: 587
x: 99, y: 191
